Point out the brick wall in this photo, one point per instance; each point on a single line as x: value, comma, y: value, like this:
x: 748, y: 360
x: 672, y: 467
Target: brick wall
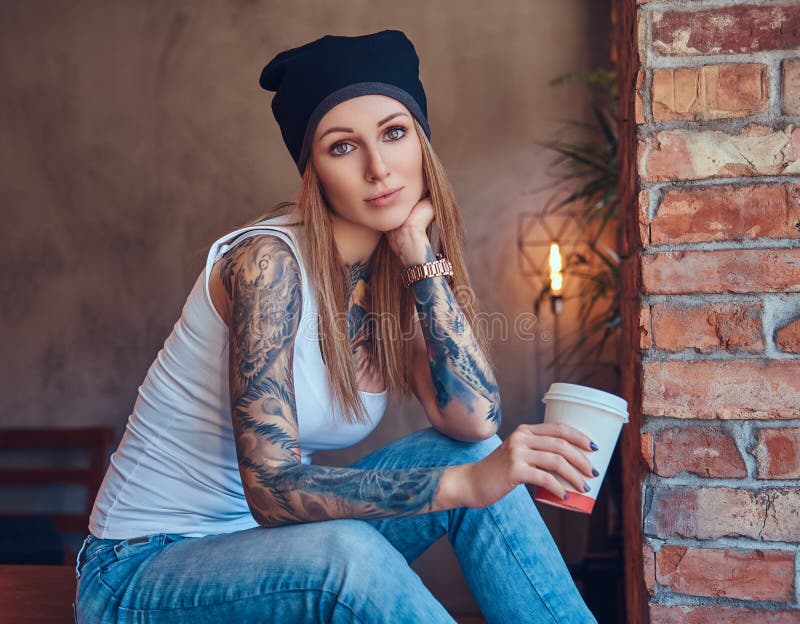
x: 717, y: 114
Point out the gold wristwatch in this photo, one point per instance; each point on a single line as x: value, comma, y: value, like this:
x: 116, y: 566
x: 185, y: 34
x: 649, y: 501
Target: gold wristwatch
x: 416, y: 272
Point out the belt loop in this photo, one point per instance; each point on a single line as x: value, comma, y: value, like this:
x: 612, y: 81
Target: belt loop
x: 78, y: 558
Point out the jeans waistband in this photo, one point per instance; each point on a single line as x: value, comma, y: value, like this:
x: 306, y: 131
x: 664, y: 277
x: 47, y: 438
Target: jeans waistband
x: 90, y: 539
x: 157, y: 538
x: 86, y: 542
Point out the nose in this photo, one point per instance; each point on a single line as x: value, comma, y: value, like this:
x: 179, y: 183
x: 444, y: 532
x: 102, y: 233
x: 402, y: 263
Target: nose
x: 376, y: 165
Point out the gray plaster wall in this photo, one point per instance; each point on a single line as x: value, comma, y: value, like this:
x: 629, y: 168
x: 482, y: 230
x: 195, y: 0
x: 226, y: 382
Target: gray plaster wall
x: 135, y: 133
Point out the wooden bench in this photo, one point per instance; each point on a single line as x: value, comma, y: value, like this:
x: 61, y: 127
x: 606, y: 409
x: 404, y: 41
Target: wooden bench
x: 34, y: 594
x: 44, y: 595
x: 96, y: 443
x: 37, y: 594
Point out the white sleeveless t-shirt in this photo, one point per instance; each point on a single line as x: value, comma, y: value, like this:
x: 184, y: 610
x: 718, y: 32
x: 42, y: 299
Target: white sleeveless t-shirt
x: 175, y: 469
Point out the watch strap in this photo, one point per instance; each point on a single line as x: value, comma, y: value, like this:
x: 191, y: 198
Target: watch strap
x: 416, y: 272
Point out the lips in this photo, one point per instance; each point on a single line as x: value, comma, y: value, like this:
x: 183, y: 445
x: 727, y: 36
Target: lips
x: 383, y: 194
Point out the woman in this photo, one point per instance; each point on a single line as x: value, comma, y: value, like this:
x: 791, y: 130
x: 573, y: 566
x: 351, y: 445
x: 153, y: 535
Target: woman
x: 293, y: 338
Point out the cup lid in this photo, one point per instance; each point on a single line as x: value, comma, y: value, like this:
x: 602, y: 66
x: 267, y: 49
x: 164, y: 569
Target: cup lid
x: 588, y: 396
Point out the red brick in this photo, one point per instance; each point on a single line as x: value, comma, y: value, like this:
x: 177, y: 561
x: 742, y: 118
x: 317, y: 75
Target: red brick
x: 704, y: 451
x: 791, y: 86
x: 721, y: 213
x: 766, y: 514
x: 638, y: 106
x: 709, y: 92
x: 644, y: 220
x: 777, y: 453
x: 722, y: 271
x: 733, y: 88
x: 727, y: 572
x: 646, y: 441
x: 711, y: 327
x: 787, y: 338
x: 645, y: 341
x: 726, y: 389
x: 730, y: 30
x: 683, y: 154
x: 717, y: 614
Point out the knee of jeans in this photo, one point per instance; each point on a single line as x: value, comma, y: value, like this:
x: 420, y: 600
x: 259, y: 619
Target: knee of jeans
x: 479, y: 450
x: 458, y: 452
x: 358, y: 545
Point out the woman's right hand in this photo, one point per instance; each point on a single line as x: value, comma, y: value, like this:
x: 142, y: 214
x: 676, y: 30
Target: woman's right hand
x: 532, y: 454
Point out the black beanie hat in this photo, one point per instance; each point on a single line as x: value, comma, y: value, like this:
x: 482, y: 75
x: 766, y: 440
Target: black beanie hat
x: 311, y: 79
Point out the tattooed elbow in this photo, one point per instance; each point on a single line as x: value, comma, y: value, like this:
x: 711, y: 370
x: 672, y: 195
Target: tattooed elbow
x: 265, y: 506
x: 258, y: 516
x: 267, y: 520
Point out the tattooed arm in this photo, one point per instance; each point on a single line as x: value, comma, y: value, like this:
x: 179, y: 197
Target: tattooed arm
x: 457, y: 388
x: 264, y: 296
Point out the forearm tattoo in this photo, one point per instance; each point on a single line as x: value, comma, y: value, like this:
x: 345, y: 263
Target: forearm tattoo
x: 263, y: 282
x: 459, y: 370
x: 307, y: 493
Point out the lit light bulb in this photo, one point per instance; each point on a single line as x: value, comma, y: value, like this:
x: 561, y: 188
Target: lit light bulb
x: 556, y: 277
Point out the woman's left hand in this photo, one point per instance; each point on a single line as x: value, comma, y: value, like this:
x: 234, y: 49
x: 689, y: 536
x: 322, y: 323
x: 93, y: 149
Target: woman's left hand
x: 410, y: 240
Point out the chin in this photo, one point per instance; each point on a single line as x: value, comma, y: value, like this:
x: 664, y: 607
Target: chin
x: 391, y: 219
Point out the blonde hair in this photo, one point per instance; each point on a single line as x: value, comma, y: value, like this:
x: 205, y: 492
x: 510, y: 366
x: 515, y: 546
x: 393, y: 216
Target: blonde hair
x: 390, y: 303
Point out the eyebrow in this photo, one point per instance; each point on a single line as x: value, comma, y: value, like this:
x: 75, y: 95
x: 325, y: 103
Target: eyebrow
x: 341, y: 129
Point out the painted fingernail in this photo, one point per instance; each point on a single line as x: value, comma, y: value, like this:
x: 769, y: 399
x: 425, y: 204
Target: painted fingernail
x: 566, y: 495
x: 586, y: 487
x: 593, y: 446
x: 595, y: 472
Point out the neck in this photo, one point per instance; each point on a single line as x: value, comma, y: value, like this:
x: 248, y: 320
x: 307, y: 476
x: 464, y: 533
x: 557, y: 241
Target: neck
x: 355, y: 243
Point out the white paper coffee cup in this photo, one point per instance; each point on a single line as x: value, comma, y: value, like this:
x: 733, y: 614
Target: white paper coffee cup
x: 598, y: 414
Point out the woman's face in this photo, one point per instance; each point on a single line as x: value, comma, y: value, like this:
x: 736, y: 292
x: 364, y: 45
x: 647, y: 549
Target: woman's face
x: 363, y: 147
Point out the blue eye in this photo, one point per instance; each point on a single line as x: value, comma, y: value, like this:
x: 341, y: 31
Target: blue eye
x: 336, y: 153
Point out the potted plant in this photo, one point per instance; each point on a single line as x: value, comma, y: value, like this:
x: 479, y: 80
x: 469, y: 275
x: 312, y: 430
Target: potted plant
x: 587, y: 167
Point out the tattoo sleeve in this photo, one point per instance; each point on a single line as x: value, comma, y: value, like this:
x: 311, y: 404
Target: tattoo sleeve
x: 263, y: 283
x: 465, y: 384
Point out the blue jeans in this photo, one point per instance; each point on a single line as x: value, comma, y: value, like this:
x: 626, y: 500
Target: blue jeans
x: 339, y: 571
